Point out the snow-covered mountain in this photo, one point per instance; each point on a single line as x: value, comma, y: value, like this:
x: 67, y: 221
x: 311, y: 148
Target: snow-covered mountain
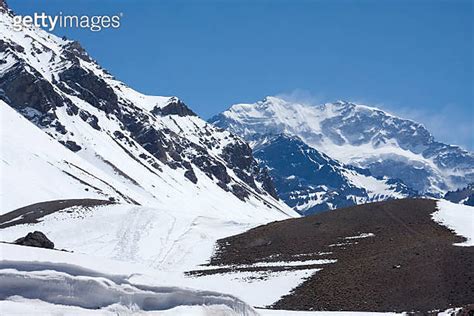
x: 149, y: 150
x: 358, y: 135
x: 310, y: 181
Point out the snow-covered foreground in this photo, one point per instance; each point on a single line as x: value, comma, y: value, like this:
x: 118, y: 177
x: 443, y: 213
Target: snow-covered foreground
x: 49, y: 281
x: 20, y: 306
x: 72, y: 283
x: 168, y: 240
x: 162, y: 243
x: 457, y: 217
x: 131, y: 259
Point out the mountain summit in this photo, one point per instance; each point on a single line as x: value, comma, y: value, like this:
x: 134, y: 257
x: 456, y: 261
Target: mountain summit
x: 358, y: 135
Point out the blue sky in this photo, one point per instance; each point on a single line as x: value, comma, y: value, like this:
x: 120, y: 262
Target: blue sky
x: 413, y: 58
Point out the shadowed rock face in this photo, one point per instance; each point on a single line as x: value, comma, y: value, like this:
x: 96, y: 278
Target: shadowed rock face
x: 464, y: 196
x: 311, y: 182
x: 35, y: 239
x: 174, y: 107
x: 3, y: 5
x: 391, y: 256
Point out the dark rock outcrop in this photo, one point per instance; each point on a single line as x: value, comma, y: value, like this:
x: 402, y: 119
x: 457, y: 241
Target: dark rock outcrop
x: 174, y: 107
x: 35, y: 239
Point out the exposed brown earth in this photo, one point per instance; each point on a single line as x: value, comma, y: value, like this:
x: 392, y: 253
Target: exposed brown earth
x: 410, y: 264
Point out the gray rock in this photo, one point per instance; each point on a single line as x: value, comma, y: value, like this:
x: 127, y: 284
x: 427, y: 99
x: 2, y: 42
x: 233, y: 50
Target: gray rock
x: 35, y: 239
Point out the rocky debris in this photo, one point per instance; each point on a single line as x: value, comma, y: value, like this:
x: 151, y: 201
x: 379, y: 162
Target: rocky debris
x: 3, y: 6
x: 27, y: 89
x: 35, y: 239
x: 74, y: 49
x: 71, y: 145
x: 189, y: 174
x: 409, y: 264
x: 91, y: 119
x: 467, y: 310
x: 90, y: 88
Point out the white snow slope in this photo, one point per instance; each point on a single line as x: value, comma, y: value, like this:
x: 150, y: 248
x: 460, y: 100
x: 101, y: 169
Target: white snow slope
x: 35, y: 167
x: 48, y: 282
x: 167, y: 241
x: 457, y: 217
x: 105, y: 287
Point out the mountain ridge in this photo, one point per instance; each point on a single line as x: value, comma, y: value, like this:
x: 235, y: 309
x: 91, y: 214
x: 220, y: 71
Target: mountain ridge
x: 152, y: 144
x: 310, y: 181
x: 359, y: 135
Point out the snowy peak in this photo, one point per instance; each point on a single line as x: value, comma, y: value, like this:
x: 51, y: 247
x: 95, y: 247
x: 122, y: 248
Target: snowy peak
x: 359, y: 135
x: 334, y: 120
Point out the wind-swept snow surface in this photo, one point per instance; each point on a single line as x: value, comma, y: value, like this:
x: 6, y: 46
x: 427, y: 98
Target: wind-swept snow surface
x: 21, y: 306
x: 457, y: 217
x: 115, y: 286
x: 168, y: 242
x: 169, y: 238
x: 63, y: 287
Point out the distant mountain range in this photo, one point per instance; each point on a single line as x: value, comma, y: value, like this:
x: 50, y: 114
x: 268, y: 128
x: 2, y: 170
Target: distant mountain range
x: 397, y: 157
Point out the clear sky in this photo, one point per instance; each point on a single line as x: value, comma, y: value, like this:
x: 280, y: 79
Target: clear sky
x: 413, y: 58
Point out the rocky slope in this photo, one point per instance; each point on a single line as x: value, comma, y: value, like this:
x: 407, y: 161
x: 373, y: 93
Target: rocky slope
x: 154, y: 147
x: 310, y: 181
x: 388, y: 256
